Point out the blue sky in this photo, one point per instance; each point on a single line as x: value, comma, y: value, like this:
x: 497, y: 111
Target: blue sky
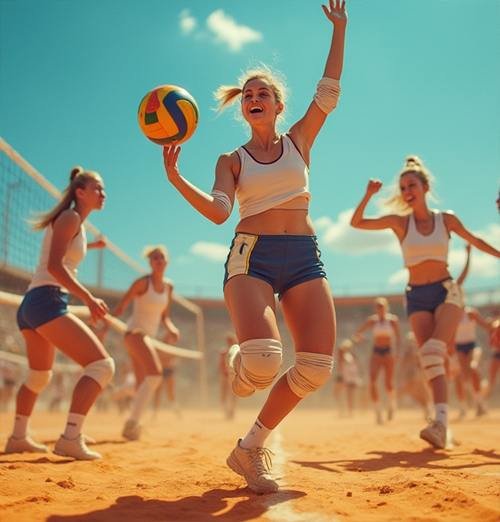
x: 419, y: 78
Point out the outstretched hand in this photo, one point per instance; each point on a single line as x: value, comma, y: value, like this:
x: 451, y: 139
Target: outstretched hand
x: 170, y: 155
x: 336, y: 12
x: 101, y: 242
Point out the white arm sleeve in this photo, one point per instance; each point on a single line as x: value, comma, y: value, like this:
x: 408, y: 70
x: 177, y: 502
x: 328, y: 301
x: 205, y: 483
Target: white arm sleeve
x: 327, y: 94
x: 222, y: 199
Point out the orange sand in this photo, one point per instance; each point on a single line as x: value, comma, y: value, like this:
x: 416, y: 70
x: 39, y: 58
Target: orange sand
x: 331, y: 469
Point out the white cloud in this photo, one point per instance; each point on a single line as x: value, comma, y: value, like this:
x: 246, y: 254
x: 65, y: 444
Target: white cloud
x: 482, y: 265
x: 491, y: 234
x: 187, y: 22
x: 399, y: 278
x: 341, y: 237
x: 211, y: 251
x: 230, y: 32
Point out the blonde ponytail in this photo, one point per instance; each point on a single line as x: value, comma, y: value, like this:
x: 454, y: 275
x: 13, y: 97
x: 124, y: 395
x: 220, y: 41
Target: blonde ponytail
x: 226, y: 95
x: 78, y: 178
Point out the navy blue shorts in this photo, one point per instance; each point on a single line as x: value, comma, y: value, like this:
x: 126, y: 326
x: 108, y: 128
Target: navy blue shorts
x: 465, y: 347
x: 283, y: 261
x: 40, y: 305
x: 167, y: 372
x: 381, y: 350
x: 425, y: 298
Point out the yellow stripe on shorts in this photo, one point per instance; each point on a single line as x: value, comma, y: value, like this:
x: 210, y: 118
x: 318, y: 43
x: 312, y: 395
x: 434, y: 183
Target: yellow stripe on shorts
x: 239, y: 257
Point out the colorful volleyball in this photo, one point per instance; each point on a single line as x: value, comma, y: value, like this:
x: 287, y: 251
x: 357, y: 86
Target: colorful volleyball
x: 168, y: 115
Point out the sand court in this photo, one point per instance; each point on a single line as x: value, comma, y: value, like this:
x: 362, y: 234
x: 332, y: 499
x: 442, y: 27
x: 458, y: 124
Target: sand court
x: 329, y: 469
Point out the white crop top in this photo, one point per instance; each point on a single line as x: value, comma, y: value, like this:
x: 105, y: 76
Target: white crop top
x: 466, y: 329
x: 418, y: 248
x: 147, y: 309
x: 263, y: 186
x: 75, y: 253
x: 383, y: 328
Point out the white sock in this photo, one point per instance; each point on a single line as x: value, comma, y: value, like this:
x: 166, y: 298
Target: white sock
x: 256, y: 437
x: 73, y: 425
x: 20, y: 426
x: 441, y: 411
x: 143, y: 396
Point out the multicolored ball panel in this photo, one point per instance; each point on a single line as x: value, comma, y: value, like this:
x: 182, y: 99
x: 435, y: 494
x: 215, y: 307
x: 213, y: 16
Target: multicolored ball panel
x: 168, y: 115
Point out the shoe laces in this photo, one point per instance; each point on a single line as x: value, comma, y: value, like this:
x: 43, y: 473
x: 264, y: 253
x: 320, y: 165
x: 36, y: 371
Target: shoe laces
x: 261, y: 460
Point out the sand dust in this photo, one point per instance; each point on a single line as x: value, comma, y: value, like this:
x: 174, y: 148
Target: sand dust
x: 329, y: 468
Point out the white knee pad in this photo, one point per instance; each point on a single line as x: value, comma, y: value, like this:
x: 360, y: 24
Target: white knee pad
x: 311, y: 370
x: 37, y: 380
x: 101, y: 371
x: 432, y: 356
x: 260, y: 362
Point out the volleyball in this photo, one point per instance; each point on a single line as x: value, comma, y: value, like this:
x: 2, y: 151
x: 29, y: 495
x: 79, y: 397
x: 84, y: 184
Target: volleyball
x: 168, y: 115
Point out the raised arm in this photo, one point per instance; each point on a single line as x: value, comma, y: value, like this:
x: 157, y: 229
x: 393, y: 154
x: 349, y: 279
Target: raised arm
x: 465, y: 269
x: 453, y: 224
x: 358, y: 219
x: 304, y: 132
x: 216, y: 206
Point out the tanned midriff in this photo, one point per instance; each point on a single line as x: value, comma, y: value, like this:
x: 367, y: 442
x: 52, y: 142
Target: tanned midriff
x: 428, y: 272
x: 290, y: 218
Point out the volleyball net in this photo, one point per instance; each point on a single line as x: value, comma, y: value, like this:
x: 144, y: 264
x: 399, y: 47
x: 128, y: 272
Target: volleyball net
x: 25, y: 192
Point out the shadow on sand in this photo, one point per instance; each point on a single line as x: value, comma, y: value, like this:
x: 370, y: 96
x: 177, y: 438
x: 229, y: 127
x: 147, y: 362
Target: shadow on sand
x: 382, y: 460
x: 211, y: 506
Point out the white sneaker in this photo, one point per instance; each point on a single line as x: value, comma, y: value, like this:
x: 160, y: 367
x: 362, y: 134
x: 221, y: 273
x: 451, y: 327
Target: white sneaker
x: 132, y: 430
x: 240, y: 388
x: 75, y: 448
x: 24, y: 444
x: 435, y: 434
x: 255, y: 466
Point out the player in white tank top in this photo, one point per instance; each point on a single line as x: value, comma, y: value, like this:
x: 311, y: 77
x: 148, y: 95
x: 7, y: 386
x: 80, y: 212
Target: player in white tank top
x: 46, y: 324
x: 275, y: 234
x: 467, y: 352
x: 386, y: 345
x: 348, y: 377
x: 434, y: 301
x: 151, y: 297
